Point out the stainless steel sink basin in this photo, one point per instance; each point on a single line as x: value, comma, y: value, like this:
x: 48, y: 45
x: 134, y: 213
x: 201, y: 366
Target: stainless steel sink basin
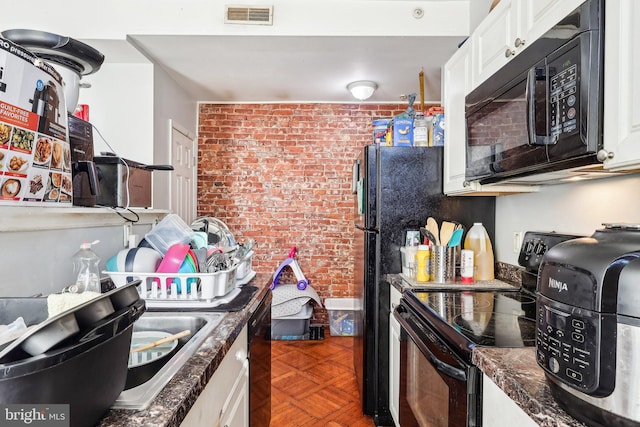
x: 200, y: 324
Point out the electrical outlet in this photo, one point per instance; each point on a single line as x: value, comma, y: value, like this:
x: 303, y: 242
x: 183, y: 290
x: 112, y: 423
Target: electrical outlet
x: 517, y: 241
x: 128, y: 229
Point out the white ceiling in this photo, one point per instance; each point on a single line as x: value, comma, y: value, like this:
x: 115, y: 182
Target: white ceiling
x: 299, y: 68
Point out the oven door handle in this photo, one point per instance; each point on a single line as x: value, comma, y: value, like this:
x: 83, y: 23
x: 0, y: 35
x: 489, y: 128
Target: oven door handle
x: 445, y: 368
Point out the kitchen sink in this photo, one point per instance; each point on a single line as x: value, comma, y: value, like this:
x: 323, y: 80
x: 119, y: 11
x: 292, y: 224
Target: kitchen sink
x: 200, y: 324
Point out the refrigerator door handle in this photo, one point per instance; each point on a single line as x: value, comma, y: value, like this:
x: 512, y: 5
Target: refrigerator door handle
x: 355, y: 176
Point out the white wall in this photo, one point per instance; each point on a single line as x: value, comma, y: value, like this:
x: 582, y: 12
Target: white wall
x: 40, y: 261
x: 120, y: 102
x: 171, y: 104
x: 578, y: 208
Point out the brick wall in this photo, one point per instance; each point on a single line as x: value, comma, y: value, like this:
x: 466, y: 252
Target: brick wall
x: 281, y: 175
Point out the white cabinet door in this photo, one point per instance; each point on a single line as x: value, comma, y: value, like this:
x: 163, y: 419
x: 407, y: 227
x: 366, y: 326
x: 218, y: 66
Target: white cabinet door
x: 455, y: 82
x: 236, y: 409
x: 394, y: 358
x: 499, y: 410
x: 539, y: 16
x: 493, y: 41
x: 622, y: 85
x: 221, y: 399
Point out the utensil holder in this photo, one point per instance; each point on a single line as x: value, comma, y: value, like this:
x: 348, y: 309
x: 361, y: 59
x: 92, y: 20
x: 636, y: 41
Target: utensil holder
x: 443, y: 262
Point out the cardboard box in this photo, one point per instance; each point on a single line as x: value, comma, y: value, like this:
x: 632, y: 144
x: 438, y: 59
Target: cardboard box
x: 35, y: 157
x: 403, y: 131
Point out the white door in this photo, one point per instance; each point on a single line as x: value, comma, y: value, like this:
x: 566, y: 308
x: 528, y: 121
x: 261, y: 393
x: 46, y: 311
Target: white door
x: 183, y: 181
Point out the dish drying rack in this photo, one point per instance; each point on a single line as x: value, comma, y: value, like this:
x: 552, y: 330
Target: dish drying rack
x: 188, y: 290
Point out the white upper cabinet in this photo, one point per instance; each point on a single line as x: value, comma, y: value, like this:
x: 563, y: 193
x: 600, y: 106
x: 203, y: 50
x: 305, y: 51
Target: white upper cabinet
x: 506, y: 32
x: 539, y: 16
x: 493, y: 42
x: 509, y: 29
x: 622, y: 85
x: 455, y: 83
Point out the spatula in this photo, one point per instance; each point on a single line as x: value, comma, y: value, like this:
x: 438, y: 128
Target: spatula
x: 456, y: 238
x: 432, y: 227
x: 446, y: 230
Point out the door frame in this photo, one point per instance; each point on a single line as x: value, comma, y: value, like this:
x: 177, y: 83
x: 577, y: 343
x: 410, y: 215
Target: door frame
x: 174, y: 125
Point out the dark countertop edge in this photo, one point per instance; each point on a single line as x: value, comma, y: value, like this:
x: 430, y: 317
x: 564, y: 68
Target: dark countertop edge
x: 516, y: 372
x: 173, y: 403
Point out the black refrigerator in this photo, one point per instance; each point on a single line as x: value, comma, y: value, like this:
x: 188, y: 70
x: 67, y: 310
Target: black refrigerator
x: 395, y: 189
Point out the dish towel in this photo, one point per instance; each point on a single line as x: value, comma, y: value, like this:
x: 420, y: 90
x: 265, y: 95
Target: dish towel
x: 288, y: 300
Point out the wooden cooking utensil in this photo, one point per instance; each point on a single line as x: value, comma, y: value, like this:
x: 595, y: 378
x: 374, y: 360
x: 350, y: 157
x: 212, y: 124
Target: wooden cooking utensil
x: 446, y: 230
x: 432, y: 227
x: 162, y: 341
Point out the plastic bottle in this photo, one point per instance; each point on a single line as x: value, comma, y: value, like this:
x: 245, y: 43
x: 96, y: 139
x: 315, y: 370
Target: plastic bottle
x: 422, y: 258
x: 85, y: 270
x: 478, y: 241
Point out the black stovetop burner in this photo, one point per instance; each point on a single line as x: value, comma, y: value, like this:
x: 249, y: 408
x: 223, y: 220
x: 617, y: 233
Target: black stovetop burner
x: 486, y: 318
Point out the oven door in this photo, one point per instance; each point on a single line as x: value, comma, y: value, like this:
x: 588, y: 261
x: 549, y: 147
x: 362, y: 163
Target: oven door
x: 437, y: 388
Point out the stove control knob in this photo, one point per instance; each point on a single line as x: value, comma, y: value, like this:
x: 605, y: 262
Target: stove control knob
x: 554, y: 365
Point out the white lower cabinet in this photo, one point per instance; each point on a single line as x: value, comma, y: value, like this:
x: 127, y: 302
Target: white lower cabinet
x: 499, y: 410
x: 394, y: 358
x: 622, y: 85
x: 224, y: 402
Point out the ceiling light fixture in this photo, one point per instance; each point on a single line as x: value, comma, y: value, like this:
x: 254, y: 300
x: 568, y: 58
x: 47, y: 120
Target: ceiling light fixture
x: 362, y: 89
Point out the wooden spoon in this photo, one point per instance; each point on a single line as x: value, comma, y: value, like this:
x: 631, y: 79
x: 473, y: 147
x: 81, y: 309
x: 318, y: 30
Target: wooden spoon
x: 446, y: 231
x: 432, y: 227
x: 162, y: 341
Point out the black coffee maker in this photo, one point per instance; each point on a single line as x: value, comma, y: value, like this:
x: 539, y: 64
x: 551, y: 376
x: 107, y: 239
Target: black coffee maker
x: 86, y: 186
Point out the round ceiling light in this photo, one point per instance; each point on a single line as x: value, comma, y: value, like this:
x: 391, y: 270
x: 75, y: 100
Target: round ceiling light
x: 362, y: 89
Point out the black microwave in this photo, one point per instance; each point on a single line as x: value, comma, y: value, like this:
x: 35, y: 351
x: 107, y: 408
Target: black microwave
x: 542, y: 111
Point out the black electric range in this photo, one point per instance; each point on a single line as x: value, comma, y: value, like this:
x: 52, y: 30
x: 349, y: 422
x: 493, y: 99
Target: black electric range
x: 499, y: 318
x: 438, y: 330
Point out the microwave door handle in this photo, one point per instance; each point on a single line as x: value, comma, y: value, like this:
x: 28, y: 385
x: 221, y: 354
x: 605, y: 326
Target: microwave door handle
x: 445, y: 368
x: 530, y: 93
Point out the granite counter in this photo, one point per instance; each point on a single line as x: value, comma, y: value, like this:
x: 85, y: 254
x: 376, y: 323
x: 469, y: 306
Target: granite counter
x: 173, y: 403
x: 516, y: 372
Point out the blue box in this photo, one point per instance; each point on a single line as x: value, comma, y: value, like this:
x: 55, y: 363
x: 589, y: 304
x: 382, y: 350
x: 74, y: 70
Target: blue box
x: 403, y: 131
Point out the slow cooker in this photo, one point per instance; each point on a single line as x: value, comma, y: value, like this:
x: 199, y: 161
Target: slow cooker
x: 588, y: 325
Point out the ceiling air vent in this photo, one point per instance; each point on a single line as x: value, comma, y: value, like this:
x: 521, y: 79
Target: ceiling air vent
x: 256, y: 15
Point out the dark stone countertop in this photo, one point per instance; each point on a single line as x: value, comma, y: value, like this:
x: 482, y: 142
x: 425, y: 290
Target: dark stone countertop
x: 515, y: 371
x: 173, y: 403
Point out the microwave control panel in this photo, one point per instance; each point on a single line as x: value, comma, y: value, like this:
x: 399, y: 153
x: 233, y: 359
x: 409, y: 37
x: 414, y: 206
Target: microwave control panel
x: 564, y: 102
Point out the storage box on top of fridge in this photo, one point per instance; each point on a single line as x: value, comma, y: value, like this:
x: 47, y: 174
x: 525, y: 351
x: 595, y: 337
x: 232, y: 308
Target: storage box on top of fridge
x: 35, y: 158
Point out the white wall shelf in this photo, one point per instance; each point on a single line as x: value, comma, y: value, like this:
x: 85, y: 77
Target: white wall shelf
x: 25, y: 218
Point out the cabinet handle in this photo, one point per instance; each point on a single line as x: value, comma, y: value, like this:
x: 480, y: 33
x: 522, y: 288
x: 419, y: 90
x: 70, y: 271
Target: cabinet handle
x: 604, y: 155
x: 509, y: 52
x: 519, y: 42
x: 466, y: 184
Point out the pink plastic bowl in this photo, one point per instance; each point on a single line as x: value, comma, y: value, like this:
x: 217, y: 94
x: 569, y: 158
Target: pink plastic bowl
x: 173, y: 258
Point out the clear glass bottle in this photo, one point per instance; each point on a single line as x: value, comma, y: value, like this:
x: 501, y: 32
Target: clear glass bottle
x: 420, y: 131
x: 478, y: 241
x: 85, y: 270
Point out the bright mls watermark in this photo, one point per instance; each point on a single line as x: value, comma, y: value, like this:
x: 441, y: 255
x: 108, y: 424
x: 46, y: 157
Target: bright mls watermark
x: 34, y: 415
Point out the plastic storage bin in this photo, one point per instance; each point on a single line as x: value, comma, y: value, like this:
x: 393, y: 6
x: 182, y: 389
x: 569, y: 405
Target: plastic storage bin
x: 294, y: 327
x: 171, y: 230
x: 341, y: 315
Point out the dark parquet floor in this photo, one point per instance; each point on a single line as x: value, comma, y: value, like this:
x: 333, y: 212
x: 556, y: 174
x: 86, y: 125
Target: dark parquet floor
x: 313, y: 384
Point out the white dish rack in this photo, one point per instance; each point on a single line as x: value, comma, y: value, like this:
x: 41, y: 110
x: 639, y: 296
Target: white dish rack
x: 188, y: 290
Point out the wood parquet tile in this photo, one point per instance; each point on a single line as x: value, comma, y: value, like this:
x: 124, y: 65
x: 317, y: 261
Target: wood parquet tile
x: 313, y: 384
